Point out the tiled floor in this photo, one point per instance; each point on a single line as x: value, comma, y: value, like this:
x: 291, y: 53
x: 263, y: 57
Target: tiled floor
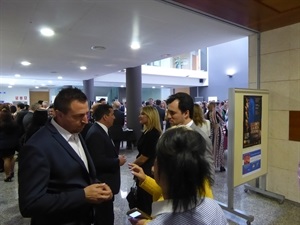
x: 266, y: 211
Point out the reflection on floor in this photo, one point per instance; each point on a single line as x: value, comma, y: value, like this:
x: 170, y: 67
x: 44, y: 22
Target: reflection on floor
x: 265, y: 211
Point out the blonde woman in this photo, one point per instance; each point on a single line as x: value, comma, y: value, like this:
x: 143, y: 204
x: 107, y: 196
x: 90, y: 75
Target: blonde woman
x: 198, y: 118
x: 146, y: 144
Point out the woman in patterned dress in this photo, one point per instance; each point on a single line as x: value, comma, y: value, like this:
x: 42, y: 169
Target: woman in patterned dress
x: 217, y: 135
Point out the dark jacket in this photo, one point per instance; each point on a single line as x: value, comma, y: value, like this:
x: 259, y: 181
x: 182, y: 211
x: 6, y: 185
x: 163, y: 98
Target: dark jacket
x: 116, y: 130
x: 105, y: 157
x: 51, y: 180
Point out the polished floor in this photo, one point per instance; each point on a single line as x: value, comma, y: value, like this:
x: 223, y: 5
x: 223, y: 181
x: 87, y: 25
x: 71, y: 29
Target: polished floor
x: 266, y: 211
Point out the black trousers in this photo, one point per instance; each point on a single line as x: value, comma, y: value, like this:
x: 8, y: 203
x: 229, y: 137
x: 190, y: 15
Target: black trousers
x: 104, y: 213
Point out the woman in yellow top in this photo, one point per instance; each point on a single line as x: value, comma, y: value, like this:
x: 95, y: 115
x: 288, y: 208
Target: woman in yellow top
x: 150, y: 185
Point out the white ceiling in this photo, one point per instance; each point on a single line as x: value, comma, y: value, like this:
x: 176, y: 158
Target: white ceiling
x: 80, y: 24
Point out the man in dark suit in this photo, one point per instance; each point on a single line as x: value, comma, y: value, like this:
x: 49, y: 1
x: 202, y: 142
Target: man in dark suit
x: 57, y: 178
x: 116, y: 130
x: 161, y: 113
x: 106, y: 159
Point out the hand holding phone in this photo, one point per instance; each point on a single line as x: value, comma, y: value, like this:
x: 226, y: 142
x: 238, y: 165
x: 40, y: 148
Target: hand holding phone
x: 137, y: 213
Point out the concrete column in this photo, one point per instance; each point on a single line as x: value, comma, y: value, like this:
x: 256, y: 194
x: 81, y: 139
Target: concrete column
x: 88, y: 89
x: 134, y: 98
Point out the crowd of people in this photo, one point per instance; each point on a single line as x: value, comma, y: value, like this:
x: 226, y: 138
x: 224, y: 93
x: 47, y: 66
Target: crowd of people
x: 69, y: 159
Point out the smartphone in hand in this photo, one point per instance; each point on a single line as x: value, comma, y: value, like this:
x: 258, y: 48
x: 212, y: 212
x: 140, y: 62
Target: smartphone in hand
x: 138, y: 214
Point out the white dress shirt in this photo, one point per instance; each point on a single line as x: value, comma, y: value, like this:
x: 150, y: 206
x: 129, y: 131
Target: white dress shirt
x: 73, y: 140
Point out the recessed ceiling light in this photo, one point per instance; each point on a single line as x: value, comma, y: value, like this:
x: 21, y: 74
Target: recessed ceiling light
x: 47, y: 32
x: 153, y: 87
x: 17, y: 75
x: 162, y: 86
x: 36, y: 87
x: 98, y: 47
x: 25, y: 63
x: 9, y: 86
x: 59, y: 77
x: 83, y: 68
x: 122, y: 85
x: 135, y: 45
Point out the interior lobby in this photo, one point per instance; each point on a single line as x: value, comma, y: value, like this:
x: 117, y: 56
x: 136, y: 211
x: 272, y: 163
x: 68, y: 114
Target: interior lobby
x: 273, y: 65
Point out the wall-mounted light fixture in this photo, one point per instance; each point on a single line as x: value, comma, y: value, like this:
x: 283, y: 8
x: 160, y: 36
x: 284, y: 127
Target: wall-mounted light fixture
x: 230, y: 72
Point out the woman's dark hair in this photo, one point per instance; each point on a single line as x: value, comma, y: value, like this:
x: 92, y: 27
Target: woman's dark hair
x: 39, y: 119
x: 7, y: 123
x: 181, y: 163
x: 66, y: 96
x: 13, y: 109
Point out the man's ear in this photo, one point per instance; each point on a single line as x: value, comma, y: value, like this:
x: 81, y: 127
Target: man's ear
x: 187, y: 114
x: 105, y: 117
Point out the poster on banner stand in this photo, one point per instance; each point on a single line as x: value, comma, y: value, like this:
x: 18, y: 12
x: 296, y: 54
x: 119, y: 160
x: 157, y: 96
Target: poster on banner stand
x: 248, y: 134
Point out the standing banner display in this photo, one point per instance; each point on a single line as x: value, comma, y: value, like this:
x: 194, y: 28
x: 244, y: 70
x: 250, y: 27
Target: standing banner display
x: 247, y: 144
x: 248, y: 127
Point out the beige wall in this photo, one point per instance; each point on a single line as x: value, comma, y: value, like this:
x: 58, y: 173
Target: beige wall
x: 35, y: 96
x: 186, y: 90
x: 280, y: 74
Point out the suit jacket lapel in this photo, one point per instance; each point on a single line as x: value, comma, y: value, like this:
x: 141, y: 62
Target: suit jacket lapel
x: 66, y: 145
x: 89, y: 159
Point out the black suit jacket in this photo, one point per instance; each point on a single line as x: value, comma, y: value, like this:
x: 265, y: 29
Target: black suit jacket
x: 161, y: 113
x: 105, y: 157
x: 51, y: 180
x: 116, y: 130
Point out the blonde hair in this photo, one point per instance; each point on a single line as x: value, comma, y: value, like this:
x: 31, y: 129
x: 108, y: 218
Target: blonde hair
x: 153, y: 118
x: 198, y: 116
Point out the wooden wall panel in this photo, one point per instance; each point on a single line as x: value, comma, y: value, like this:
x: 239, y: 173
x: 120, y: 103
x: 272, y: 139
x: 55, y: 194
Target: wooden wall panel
x: 35, y: 96
x: 294, y: 126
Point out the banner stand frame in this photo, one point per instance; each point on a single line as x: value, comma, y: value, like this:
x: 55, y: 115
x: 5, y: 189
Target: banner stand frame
x: 236, y: 149
x: 261, y: 189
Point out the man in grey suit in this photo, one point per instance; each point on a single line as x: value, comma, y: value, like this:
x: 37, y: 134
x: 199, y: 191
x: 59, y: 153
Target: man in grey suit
x: 180, y: 112
x: 57, y: 177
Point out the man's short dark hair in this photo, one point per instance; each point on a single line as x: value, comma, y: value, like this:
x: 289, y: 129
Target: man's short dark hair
x: 66, y: 96
x: 101, y: 110
x: 101, y: 100
x: 185, y: 102
x: 21, y: 105
x: 158, y: 102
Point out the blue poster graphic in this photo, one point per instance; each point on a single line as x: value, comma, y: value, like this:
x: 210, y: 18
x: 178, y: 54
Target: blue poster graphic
x: 252, y: 121
x: 251, y: 162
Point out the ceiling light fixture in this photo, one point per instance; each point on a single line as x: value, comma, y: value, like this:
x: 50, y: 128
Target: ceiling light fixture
x: 9, y: 86
x: 230, y: 72
x: 59, y: 77
x: 135, y: 45
x: 98, y: 47
x: 47, y: 32
x: 25, y: 63
x: 17, y: 75
x: 83, y: 68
